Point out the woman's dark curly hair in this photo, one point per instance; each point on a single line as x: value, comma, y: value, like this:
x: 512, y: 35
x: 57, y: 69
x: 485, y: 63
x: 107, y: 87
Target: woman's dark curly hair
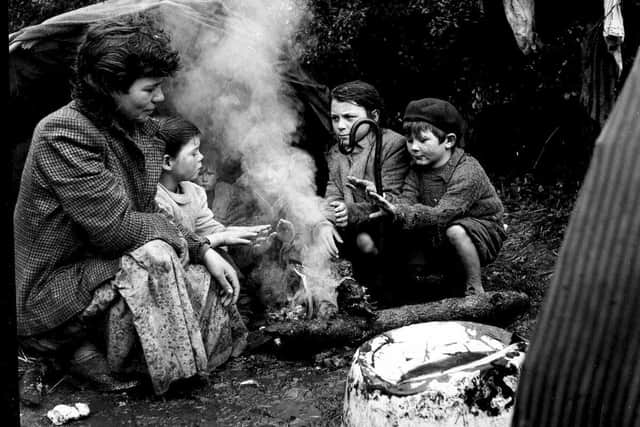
x: 114, y: 54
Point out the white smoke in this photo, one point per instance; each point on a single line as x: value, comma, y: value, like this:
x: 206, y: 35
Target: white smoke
x: 232, y: 87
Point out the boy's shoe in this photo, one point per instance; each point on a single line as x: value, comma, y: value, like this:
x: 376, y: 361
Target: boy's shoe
x: 90, y: 365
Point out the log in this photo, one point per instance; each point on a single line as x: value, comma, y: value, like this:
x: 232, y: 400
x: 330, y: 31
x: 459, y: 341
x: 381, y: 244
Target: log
x: 308, y: 337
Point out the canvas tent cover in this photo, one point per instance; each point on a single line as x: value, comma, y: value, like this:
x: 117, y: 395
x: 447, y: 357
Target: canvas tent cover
x: 41, y: 57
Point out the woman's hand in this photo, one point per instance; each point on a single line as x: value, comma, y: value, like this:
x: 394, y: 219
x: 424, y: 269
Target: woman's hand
x: 224, y: 275
x: 328, y: 236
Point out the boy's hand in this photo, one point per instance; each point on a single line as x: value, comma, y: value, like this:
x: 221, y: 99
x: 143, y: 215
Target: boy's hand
x: 224, y: 275
x: 361, y: 185
x: 341, y: 213
x: 328, y: 237
x: 369, y: 190
x: 382, y: 203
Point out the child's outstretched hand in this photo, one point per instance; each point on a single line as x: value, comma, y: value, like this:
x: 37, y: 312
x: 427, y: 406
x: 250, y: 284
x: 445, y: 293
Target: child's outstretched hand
x: 238, y: 235
x: 368, y: 188
x: 361, y: 185
x: 383, y: 203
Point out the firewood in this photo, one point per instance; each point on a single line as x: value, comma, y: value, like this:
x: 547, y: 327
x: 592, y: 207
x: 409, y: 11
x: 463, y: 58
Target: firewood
x: 311, y: 336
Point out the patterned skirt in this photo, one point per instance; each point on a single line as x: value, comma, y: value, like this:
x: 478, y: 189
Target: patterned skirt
x: 171, y: 310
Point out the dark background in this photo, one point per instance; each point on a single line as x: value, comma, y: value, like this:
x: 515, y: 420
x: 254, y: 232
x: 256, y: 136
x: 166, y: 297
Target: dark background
x: 524, y: 111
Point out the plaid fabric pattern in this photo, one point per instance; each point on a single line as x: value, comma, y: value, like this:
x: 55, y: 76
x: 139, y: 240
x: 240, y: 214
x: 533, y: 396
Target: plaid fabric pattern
x: 437, y: 197
x: 86, y: 198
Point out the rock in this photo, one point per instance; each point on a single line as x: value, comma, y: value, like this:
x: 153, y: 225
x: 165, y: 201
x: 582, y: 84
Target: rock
x: 31, y: 386
x: 62, y: 414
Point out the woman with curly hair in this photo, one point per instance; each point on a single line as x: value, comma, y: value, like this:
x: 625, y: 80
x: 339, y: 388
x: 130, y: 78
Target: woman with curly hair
x: 104, y: 280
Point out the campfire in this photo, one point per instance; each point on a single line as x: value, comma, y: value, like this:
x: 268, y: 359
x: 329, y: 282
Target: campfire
x: 289, y: 289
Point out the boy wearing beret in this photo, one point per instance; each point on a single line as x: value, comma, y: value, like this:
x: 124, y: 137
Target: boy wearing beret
x: 448, y: 206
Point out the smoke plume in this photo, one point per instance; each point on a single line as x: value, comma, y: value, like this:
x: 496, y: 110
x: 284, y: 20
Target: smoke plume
x: 232, y: 87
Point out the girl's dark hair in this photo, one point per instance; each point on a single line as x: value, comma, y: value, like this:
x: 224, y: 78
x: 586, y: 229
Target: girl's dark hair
x: 115, y: 53
x: 360, y: 93
x: 176, y: 132
x: 413, y: 128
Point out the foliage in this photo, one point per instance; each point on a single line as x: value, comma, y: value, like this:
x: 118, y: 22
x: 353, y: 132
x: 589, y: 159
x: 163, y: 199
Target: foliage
x: 460, y: 50
x: 401, y: 47
x: 464, y: 51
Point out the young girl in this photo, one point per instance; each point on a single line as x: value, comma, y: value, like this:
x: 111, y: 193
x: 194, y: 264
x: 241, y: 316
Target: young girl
x: 186, y: 201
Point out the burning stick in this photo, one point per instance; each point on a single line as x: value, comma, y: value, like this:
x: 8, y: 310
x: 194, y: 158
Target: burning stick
x: 304, y: 292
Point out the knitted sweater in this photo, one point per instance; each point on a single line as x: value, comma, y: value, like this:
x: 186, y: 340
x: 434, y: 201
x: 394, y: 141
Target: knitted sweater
x: 436, y: 197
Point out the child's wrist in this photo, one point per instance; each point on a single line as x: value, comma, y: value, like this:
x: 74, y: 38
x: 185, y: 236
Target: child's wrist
x: 215, y: 240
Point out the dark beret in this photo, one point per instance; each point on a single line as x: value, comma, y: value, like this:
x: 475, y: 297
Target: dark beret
x: 438, y: 113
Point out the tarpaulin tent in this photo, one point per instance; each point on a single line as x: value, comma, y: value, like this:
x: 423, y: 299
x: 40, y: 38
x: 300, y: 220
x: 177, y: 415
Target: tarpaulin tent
x: 41, y: 58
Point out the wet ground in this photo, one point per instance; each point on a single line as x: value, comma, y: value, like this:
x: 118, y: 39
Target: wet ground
x: 252, y: 390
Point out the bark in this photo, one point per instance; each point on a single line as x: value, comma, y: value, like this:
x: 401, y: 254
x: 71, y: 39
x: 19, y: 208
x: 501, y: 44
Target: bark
x: 308, y: 337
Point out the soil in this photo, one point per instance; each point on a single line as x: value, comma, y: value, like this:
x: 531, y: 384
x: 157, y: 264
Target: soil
x: 260, y: 389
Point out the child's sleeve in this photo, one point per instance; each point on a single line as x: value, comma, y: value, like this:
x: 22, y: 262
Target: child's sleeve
x: 197, y: 245
x: 334, y: 185
x: 395, y: 166
x: 462, y: 191
x: 206, y: 224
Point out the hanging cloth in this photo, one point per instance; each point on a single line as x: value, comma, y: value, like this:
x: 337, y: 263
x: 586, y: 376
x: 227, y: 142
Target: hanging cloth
x: 519, y: 13
x: 613, y: 30
x: 599, y: 76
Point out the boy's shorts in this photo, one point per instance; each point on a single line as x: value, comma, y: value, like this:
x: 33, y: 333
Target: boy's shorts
x: 487, y: 237
x: 432, y: 243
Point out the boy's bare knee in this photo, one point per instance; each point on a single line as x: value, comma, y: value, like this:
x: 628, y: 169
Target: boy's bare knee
x: 365, y: 243
x: 457, y: 234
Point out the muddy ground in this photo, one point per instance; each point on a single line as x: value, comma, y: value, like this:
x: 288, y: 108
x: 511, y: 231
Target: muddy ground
x: 260, y: 389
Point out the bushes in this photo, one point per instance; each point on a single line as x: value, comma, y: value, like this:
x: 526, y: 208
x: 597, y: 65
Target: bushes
x: 464, y: 51
x: 460, y: 50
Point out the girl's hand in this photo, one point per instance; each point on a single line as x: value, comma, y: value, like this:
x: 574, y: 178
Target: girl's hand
x: 237, y: 235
